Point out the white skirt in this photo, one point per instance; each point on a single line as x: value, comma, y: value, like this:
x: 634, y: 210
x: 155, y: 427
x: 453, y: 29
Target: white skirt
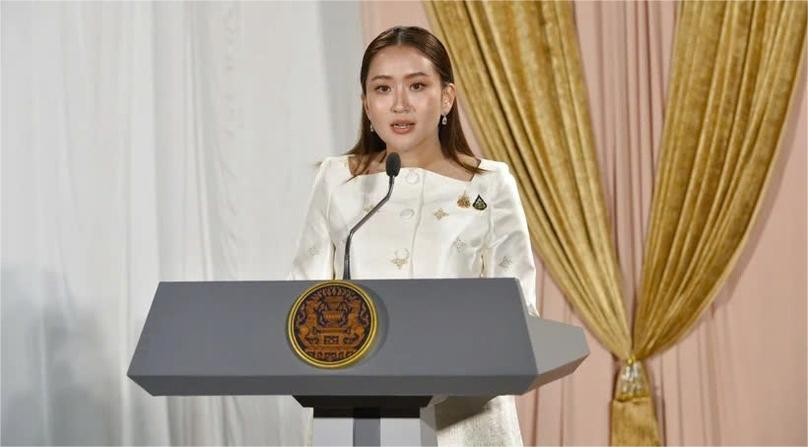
x: 470, y: 421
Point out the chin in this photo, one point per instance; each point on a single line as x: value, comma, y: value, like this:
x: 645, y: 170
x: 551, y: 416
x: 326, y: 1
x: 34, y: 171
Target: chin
x: 402, y: 148
x: 403, y: 143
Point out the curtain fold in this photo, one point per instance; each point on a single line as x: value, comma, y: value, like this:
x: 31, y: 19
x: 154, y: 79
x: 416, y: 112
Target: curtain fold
x: 730, y: 93
x: 152, y: 142
x: 729, y: 96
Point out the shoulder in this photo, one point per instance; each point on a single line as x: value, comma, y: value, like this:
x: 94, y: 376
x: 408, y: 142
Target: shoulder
x: 333, y: 168
x: 496, y: 173
x: 500, y: 183
x: 497, y: 168
x: 334, y: 162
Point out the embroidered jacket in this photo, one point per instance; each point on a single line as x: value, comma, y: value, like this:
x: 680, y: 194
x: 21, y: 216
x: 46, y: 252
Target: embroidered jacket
x: 433, y: 226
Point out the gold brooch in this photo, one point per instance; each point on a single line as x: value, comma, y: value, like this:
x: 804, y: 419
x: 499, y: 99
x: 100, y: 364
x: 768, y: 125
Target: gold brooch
x: 464, y: 201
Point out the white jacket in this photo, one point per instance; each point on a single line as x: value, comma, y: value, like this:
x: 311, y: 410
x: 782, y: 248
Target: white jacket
x: 422, y: 232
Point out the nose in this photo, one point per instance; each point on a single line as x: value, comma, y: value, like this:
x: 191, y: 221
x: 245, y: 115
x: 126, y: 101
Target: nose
x: 402, y: 102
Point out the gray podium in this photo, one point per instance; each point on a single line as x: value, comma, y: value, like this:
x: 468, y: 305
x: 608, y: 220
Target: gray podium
x: 437, y: 338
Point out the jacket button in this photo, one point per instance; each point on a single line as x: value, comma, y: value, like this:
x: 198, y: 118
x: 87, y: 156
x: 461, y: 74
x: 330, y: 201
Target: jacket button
x: 407, y: 213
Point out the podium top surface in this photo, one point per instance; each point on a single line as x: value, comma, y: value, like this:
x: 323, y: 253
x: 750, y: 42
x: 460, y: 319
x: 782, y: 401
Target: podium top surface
x: 435, y: 336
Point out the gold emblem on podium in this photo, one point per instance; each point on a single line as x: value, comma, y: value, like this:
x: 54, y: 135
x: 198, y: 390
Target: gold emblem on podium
x: 332, y: 324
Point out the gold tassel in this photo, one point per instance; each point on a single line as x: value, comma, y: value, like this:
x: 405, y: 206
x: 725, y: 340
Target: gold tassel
x: 633, y: 419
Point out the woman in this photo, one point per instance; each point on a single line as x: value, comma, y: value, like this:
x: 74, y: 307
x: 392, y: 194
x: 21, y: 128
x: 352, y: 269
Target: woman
x: 451, y: 215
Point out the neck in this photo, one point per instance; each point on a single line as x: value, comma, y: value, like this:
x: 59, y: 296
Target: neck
x: 422, y: 156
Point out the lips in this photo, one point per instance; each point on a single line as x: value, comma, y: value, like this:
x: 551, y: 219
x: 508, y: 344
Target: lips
x: 402, y: 127
x: 402, y: 124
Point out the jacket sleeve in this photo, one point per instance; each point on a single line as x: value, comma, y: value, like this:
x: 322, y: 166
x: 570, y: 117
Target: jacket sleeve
x: 507, y: 252
x: 314, y: 258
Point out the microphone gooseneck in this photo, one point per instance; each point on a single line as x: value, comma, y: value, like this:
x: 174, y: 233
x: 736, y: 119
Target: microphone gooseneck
x: 392, y: 167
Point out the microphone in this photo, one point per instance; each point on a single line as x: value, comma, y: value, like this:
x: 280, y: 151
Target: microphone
x: 392, y: 166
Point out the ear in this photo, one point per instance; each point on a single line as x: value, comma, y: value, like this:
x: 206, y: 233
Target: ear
x: 447, y: 98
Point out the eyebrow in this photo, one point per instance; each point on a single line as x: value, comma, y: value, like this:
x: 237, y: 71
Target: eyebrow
x: 411, y: 75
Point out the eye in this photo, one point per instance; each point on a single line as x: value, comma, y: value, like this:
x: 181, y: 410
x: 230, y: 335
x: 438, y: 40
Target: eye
x: 418, y: 86
x: 382, y: 89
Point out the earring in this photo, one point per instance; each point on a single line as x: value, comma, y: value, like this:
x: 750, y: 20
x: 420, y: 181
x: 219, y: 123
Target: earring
x: 443, y: 121
x: 371, y: 128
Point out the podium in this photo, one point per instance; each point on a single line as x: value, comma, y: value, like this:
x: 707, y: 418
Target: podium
x: 436, y: 338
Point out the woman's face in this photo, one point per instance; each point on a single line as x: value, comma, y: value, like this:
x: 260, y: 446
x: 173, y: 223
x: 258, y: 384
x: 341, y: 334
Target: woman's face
x: 404, y: 98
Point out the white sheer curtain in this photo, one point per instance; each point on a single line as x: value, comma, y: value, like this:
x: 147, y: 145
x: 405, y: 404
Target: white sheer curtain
x: 144, y: 142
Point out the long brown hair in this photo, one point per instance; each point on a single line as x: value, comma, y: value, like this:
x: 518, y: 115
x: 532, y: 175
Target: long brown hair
x: 452, y: 139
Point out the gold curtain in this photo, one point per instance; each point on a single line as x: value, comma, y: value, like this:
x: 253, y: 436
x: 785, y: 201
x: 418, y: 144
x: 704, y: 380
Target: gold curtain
x: 735, y: 65
x: 727, y: 102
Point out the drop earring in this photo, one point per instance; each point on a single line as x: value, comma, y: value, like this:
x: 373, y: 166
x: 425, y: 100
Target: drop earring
x: 443, y: 121
x: 371, y: 128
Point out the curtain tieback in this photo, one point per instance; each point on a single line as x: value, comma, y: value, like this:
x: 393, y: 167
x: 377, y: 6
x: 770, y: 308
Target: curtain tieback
x: 633, y: 418
x: 631, y: 383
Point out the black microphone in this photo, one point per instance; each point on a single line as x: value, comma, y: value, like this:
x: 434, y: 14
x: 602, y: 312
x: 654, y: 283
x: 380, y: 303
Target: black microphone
x: 392, y: 166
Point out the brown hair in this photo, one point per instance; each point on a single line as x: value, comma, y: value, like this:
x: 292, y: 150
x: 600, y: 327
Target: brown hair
x: 452, y: 139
